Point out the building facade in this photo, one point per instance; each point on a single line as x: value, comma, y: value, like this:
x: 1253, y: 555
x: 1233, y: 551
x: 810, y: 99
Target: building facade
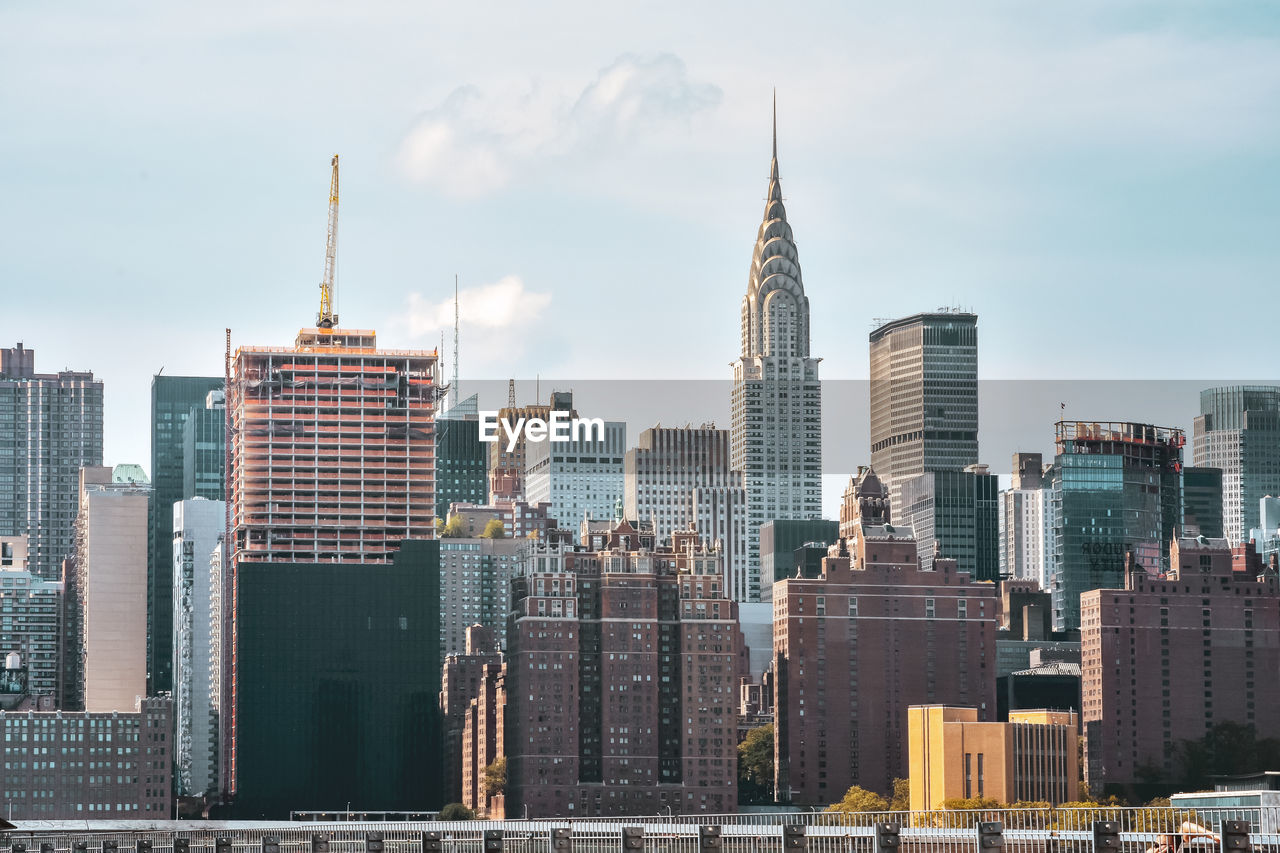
x: 461, y: 682
x: 582, y: 477
x: 110, y: 654
x: 507, y: 465
x: 462, y: 460
x: 1024, y: 522
x: 675, y: 478
x: 198, y: 529
x: 780, y: 539
x: 1166, y: 658
x: 30, y: 618
x: 1116, y: 488
x: 101, y: 766
x: 50, y: 427
x: 1238, y: 430
x: 1031, y: 758
x: 1202, y: 503
x: 955, y: 514
x: 204, y: 450
x: 475, y: 589
x: 855, y: 647
x: 174, y: 399
x: 776, y: 402
x: 924, y: 397
x: 330, y: 481
x: 621, y: 680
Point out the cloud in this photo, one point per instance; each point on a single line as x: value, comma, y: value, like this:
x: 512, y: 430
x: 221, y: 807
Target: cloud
x: 494, y: 321
x: 478, y: 141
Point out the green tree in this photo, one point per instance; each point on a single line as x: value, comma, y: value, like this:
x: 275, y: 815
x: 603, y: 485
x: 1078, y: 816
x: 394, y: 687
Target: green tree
x: 755, y: 767
x: 456, y: 811
x: 494, y: 530
x: 901, y: 801
x: 454, y: 528
x: 495, y: 777
x: 857, y: 800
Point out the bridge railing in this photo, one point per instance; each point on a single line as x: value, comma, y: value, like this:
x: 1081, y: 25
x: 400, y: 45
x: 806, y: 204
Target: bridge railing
x: 1062, y: 830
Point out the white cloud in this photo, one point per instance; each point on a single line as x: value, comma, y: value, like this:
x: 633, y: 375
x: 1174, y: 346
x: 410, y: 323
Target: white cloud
x: 495, y: 321
x: 477, y: 141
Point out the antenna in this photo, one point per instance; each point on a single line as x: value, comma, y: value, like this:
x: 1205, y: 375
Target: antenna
x: 511, y: 393
x: 327, y: 318
x: 455, y: 336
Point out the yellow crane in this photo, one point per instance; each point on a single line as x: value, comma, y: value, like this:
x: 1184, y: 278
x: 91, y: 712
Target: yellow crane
x: 326, y: 318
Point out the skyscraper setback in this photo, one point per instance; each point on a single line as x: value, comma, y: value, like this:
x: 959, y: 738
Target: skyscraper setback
x: 50, y: 428
x: 776, y: 404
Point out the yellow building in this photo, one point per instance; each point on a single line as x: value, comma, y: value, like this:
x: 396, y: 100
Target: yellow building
x: 952, y: 755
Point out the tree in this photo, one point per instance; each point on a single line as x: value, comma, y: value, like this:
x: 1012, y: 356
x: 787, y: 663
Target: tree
x: 495, y: 777
x: 755, y: 767
x: 901, y: 801
x: 454, y: 528
x: 456, y: 811
x: 494, y: 530
x: 857, y: 800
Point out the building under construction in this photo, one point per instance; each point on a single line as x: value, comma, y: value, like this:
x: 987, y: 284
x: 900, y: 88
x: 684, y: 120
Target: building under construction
x: 331, y: 450
x: 333, y: 608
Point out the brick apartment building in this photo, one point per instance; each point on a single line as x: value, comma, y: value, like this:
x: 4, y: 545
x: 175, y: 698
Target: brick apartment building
x: 1167, y: 657
x: 622, y: 669
x: 856, y: 646
x: 461, y: 683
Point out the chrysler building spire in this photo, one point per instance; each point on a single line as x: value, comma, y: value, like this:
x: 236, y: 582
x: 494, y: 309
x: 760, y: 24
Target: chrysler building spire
x: 775, y: 311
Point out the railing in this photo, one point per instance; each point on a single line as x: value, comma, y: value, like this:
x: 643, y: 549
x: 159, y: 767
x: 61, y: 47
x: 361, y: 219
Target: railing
x: 1023, y: 831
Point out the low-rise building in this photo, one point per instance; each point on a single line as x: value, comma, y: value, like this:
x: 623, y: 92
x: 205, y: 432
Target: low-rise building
x: 1031, y: 758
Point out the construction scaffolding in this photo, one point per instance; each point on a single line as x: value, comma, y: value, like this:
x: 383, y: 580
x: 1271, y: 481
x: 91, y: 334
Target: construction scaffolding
x: 332, y: 451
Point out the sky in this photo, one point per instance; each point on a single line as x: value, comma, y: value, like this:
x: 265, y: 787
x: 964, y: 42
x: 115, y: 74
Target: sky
x: 1099, y: 181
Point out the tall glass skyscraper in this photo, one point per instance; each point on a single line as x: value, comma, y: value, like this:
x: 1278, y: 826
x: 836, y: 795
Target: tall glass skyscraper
x: 1116, y: 488
x: 173, y: 399
x: 1238, y: 430
x: 776, y: 407
x: 924, y: 397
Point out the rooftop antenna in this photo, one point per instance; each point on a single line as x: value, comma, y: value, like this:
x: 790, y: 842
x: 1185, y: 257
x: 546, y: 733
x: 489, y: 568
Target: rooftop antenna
x: 455, y: 337
x: 327, y: 318
x: 511, y: 393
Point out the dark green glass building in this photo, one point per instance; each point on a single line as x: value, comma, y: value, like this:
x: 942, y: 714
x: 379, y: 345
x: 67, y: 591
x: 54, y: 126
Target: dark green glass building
x: 1202, y: 502
x: 337, y: 686
x: 779, y: 541
x: 955, y: 514
x: 173, y: 398
x: 462, y: 460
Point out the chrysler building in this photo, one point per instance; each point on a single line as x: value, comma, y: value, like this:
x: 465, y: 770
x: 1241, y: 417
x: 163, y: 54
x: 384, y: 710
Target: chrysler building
x: 777, y: 399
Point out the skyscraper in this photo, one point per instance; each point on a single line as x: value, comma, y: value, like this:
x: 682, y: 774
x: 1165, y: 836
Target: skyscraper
x: 110, y: 653
x: 1022, y: 522
x: 335, y: 608
x: 1116, y: 487
x: 50, y: 427
x: 955, y: 514
x: 582, y: 476
x: 35, y: 633
x: 198, y: 526
x: 461, y: 458
x: 924, y: 397
x: 1202, y: 503
x: 776, y: 405
x: 173, y: 400
x: 1238, y: 430
x: 204, y: 450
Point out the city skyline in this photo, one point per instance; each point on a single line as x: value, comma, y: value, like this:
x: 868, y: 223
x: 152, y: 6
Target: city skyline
x: 919, y: 175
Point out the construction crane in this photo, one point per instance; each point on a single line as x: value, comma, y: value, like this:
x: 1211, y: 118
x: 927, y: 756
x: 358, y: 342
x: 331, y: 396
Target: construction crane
x: 326, y: 318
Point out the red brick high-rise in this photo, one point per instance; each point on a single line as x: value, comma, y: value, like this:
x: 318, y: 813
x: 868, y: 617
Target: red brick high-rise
x: 854, y: 648
x: 622, y: 672
x: 1166, y: 658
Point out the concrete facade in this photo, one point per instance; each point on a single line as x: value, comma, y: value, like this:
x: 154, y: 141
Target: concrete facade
x: 578, y: 478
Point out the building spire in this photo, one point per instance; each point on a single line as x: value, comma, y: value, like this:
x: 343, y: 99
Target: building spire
x: 773, y: 166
